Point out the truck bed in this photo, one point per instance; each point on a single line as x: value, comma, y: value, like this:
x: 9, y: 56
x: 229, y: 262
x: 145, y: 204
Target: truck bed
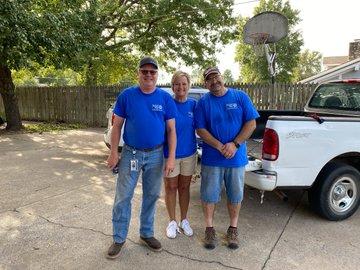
x: 264, y: 116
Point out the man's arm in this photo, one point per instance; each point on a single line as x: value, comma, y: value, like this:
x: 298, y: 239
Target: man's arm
x: 246, y: 131
x: 171, y: 138
x: 229, y: 149
x: 209, y: 139
x: 113, y: 158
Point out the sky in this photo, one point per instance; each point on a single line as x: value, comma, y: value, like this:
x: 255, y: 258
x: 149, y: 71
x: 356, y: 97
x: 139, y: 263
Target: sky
x: 327, y: 26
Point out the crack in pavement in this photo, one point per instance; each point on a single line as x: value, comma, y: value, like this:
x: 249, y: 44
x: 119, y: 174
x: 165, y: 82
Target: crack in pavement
x: 283, y: 230
x: 49, y: 197
x: 39, y: 189
x: 129, y: 239
x: 201, y: 261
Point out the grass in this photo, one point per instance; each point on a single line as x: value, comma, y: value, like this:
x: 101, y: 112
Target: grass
x: 40, y: 127
x: 47, y: 127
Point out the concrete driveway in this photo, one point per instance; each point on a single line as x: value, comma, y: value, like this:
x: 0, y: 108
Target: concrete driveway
x: 55, y: 213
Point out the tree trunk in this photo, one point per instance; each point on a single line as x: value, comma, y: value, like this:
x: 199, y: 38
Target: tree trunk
x: 7, y: 91
x: 90, y: 75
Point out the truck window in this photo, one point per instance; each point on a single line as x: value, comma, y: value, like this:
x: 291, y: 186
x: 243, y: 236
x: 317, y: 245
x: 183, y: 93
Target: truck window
x: 338, y: 96
x: 195, y: 96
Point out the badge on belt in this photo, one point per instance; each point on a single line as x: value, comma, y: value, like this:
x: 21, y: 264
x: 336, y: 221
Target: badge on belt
x: 134, y: 164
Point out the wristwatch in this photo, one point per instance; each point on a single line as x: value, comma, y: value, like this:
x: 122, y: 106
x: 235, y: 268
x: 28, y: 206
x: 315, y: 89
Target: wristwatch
x: 236, y: 144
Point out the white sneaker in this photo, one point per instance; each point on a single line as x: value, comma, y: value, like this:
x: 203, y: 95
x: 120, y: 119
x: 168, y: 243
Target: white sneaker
x: 185, y: 226
x: 172, y: 229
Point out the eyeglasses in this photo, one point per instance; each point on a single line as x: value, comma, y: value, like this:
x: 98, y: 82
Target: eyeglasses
x: 147, y: 71
x: 216, y: 77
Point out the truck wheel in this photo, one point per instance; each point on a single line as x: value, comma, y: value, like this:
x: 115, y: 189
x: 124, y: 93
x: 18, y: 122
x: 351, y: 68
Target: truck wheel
x: 336, y: 193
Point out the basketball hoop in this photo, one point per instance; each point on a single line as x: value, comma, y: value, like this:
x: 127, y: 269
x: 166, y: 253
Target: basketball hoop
x: 258, y: 41
x: 263, y: 29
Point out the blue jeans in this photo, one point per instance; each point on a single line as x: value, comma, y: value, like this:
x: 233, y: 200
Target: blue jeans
x: 151, y: 166
x: 212, y: 179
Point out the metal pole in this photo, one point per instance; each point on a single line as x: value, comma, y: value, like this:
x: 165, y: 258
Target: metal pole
x: 270, y: 57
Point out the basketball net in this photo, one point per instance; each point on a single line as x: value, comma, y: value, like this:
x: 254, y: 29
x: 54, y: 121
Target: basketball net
x: 261, y: 47
x: 258, y: 43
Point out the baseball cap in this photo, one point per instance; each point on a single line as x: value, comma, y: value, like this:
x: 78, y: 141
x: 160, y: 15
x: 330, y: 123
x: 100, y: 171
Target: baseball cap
x: 211, y: 70
x: 148, y: 60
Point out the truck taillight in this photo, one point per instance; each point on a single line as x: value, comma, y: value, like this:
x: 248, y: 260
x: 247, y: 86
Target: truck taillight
x: 351, y: 81
x: 270, y: 149
x: 112, y: 119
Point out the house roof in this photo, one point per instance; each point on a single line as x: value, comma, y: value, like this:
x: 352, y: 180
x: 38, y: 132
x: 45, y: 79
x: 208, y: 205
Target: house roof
x: 335, y: 60
x: 327, y: 74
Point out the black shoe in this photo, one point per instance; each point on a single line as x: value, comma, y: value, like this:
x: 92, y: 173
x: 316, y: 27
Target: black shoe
x: 152, y: 243
x: 210, y: 238
x: 232, y: 238
x: 114, y: 250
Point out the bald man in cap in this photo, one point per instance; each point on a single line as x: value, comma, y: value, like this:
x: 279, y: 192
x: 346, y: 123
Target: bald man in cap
x: 224, y: 119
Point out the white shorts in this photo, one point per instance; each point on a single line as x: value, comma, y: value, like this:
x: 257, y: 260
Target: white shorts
x: 184, y: 166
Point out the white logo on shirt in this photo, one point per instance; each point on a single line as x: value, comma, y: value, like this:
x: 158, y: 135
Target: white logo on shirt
x: 191, y: 114
x: 231, y: 106
x: 157, y: 107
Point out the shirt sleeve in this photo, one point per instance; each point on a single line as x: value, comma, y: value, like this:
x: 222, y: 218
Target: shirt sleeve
x: 171, y: 110
x: 249, y: 110
x: 120, y: 107
x: 194, y: 105
x: 200, y: 121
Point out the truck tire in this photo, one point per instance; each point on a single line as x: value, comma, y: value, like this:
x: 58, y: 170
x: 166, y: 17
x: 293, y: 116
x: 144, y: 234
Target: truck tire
x: 336, y: 193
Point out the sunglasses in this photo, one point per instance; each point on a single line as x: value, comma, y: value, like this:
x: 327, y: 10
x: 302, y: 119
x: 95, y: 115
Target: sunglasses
x: 147, y: 71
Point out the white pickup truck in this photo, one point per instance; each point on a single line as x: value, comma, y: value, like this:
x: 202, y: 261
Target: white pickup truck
x: 317, y: 150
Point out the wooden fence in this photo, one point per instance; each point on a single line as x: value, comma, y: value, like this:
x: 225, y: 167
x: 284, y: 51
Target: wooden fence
x: 280, y: 96
x: 88, y: 105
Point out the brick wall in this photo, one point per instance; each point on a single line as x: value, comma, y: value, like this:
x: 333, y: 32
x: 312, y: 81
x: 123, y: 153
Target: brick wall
x: 354, y: 49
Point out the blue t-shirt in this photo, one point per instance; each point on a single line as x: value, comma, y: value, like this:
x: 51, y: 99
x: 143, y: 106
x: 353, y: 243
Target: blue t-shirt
x: 145, y: 115
x: 185, y: 129
x: 224, y: 117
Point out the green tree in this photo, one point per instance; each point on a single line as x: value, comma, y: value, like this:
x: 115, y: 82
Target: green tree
x: 61, y: 33
x: 24, y: 77
x: 111, y: 68
x: 197, y: 76
x: 309, y: 65
x: 254, y: 68
x: 93, y: 35
x: 228, y: 78
x: 37, y: 74
x: 187, y: 30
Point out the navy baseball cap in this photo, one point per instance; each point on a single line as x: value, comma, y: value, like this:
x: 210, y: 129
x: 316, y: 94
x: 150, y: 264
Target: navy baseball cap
x: 148, y: 60
x: 211, y: 70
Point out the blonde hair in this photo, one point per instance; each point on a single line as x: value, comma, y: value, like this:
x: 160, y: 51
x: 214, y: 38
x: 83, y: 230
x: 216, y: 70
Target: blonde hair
x: 179, y: 74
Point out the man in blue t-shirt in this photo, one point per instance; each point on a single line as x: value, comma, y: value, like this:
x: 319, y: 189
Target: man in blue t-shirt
x: 149, y: 113
x: 224, y: 119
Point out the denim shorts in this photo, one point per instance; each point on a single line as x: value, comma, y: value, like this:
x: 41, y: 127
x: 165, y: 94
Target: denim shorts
x: 212, y: 179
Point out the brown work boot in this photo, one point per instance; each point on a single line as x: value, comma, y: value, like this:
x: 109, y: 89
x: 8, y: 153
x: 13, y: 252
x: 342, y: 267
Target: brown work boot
x: 232, y: 238
x: 210, y: 238
x: 114, y: 250
x: 152, y: 243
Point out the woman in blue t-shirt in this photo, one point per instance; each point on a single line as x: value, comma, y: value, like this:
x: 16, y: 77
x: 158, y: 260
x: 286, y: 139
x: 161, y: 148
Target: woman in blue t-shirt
x: 178, y: 181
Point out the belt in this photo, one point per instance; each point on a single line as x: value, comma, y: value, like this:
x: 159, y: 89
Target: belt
x: 147, y: 149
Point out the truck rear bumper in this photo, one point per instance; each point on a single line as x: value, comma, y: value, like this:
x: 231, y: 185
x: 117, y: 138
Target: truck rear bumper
x: 260, y: 179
